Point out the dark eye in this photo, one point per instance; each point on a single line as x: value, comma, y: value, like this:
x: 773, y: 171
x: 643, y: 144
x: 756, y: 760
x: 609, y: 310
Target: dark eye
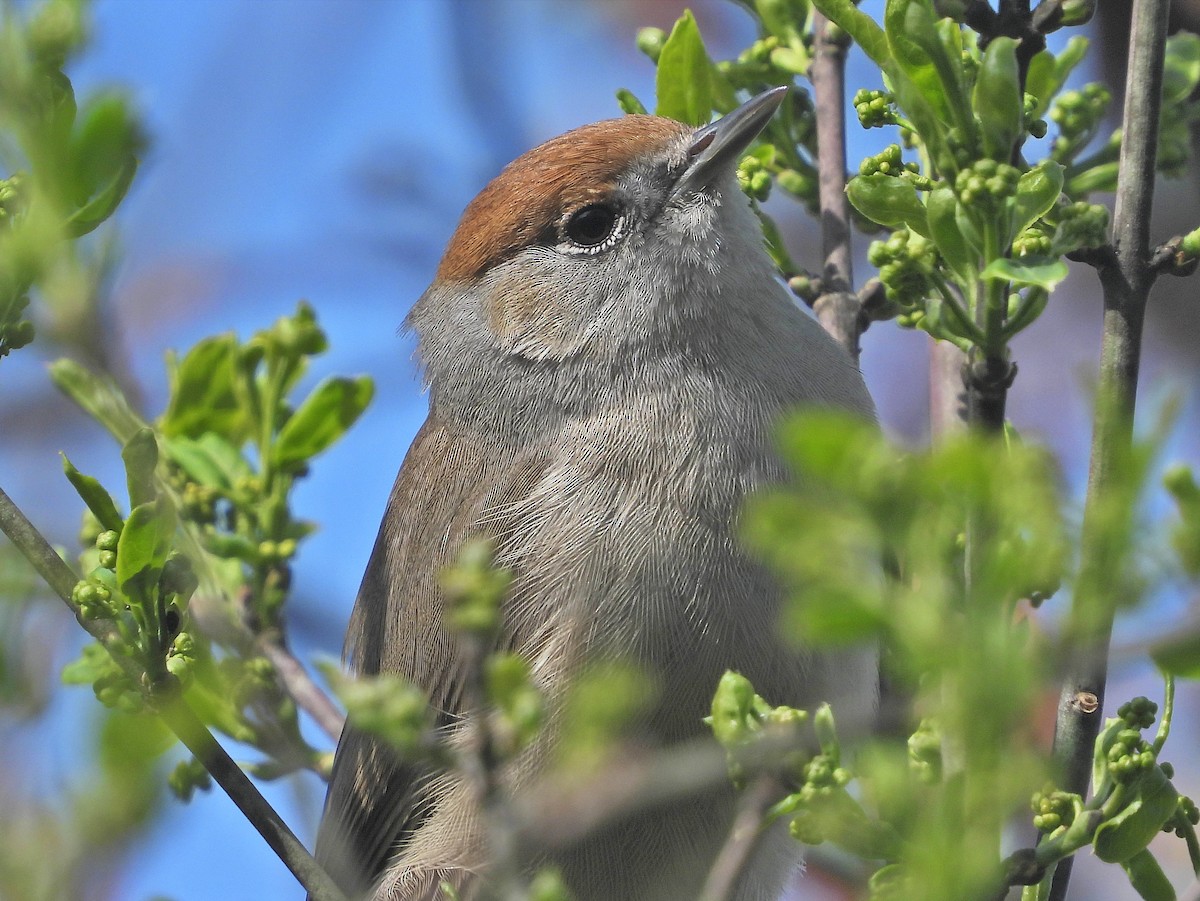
x: 594, y: 227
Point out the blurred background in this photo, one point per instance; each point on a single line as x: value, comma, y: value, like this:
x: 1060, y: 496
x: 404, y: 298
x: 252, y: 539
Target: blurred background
x: 324, y: 149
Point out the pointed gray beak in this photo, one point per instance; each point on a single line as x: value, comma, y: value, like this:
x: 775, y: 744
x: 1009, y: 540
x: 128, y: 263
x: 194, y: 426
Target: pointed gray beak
x: 716, y: 148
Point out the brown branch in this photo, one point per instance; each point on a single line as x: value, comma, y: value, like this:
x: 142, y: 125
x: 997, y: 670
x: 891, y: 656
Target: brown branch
x: 838, y: 308
x: 174, y: 711
x: 744, y: 837
x: 1126, y: 286
x: 299, y: 684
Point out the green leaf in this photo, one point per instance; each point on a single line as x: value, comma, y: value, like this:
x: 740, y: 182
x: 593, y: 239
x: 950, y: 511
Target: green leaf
x: 629, y: 104
x: 98, y: 500
x: 931, y: 57
x: 942, y: 212
x: 209, y: 459
x: 1037, y: 192
x: 1147, y: 877
x: 1179, y: 655
x: 1041, y: 273
x: 1181, y: 70
x: 98, y: 396
x: 203, y: 396
x: 322, y: 418
x: 104, y: 203
x: 144, y: 544
x: 1120, y: 838
x: 1048, y: 73
x: 682, y: 83
x: 890, y: 201
x: 861, y: 27
x: 140, y: 454
x: 997, y: 98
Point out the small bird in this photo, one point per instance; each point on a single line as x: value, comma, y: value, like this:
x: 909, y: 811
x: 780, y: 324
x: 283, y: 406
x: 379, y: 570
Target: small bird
x: 607, y: 348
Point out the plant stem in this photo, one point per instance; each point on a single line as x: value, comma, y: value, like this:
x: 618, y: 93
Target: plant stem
x: 838, y: 308
x: 1126, y: 284
x: 744, y: 837
x: 196, y: 737
x: 180, y: 718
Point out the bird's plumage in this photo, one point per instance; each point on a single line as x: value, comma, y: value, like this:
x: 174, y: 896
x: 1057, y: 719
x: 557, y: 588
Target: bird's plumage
x: 605, y: 438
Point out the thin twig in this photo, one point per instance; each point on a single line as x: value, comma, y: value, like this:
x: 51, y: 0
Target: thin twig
x: 744, y: 837
x: 177, y: 715
x: 299, y: 684
x: 196, y: 737
x: 1126, y: 286
x: 481, y: 763
x: 49, y: 565
x: 838, y: 308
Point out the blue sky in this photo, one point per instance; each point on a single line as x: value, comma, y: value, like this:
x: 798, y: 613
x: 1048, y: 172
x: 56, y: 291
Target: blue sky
x: 324, y: 149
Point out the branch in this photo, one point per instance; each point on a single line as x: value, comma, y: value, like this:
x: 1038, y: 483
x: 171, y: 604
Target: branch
x: 838, y: 308
x: 299, y: 684
x: 744, y: 837
x: 197, y: 739
x: 1126, y: 284
x: 175, y: 712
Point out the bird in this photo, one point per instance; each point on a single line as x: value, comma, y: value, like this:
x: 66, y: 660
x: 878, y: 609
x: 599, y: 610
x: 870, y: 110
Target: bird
x: 607, y: 348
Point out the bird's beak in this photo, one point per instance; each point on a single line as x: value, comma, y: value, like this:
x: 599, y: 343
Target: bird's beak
x: 717, y: 147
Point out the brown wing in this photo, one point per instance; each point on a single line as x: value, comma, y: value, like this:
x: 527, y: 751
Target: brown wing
x: 447, y: 483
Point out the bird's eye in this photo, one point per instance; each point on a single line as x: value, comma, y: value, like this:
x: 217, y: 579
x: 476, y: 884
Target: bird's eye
x: 594, y: 228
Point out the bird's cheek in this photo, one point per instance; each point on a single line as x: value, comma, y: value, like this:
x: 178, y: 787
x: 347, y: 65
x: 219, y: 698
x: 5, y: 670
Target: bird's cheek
x: 534, y: 316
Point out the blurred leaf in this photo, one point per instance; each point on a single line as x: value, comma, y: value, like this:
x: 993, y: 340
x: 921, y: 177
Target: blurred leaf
x: 1147, y: 877
x: 103, y: 204
x: 322, y: 418
x: 1181, y: 71
x: 140, y: 454
x: 682, y: 83
x: 1120, y: 838
x: 99, y: 396
x: 629, y: 104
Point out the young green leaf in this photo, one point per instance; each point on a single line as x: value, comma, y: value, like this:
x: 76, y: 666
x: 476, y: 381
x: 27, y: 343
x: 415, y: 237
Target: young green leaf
x: 890, y: 201
x: 104, y: 202
x: 1120, y: 838
x: 144, y: 544
x: 140, y: 454
x: 322, y: 418
x: 98, y: 500
x: 99, y: 396
x: 997, y: 98
x: 930, y: 56
x: 682, y: 83
x: 1147, y: 877
x: 208, y: 460
x: 1042, y: 273
x: 1181, y: 70
x: 203, y: 398
x: 942, y: 211
x: 1048, y: 73
x: 1037, y: 192
x: 861, y: 27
